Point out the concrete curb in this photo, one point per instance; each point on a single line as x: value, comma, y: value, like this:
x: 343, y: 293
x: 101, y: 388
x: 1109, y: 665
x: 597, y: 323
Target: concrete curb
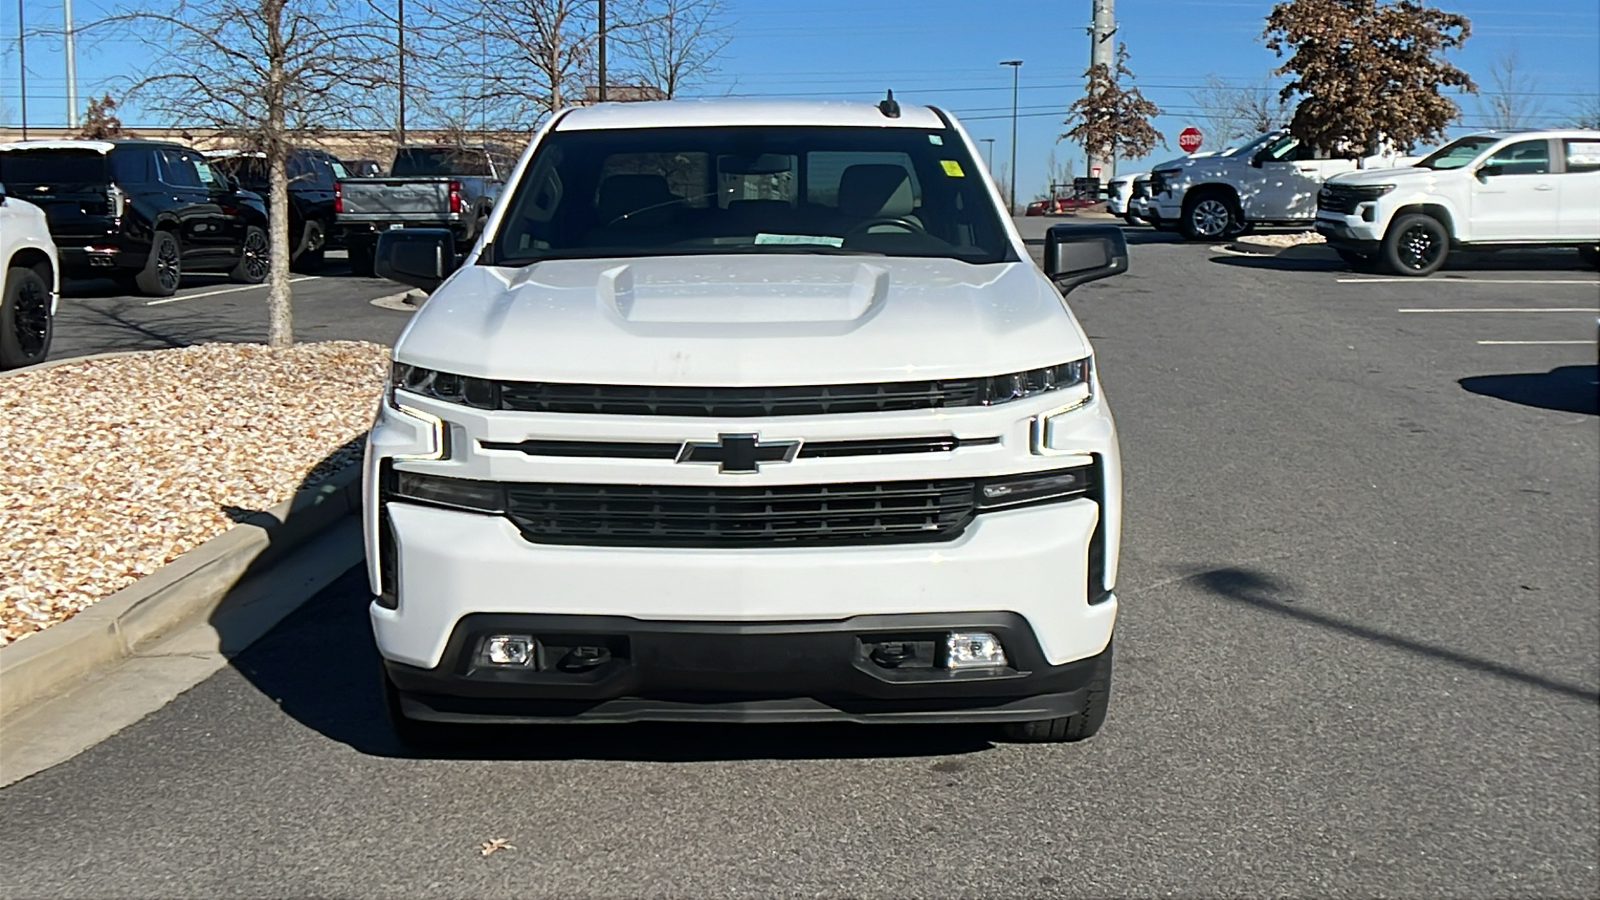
x: 189, y: 589
x: 52, y: 363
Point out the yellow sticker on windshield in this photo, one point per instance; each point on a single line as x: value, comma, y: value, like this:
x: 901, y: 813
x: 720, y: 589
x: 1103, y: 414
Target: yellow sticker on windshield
x: 952, y: 168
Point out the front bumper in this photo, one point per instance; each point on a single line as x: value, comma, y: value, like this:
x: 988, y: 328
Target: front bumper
x: 737, y: 672
x: 1351, y: 232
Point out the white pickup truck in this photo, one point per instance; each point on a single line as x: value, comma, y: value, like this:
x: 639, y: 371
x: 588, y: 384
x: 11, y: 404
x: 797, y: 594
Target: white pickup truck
x: 746, y: 412
x: 30, y: 283
x: 1272, y: 180
x: 1482, y: 192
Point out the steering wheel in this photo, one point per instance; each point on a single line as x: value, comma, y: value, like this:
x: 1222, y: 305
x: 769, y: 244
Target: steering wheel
x: 907, y: 224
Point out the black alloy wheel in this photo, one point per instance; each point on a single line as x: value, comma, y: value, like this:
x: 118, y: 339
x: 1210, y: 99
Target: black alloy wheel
x: 25, y: 319
x: 254, y: 257
x: 1416, y: 244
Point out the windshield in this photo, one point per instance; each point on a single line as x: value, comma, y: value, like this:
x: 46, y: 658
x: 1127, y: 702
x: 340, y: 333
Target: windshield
x: 769, y: 189
x: 419, y: 161
x: 1249, y: 150
x: 1456, y: 154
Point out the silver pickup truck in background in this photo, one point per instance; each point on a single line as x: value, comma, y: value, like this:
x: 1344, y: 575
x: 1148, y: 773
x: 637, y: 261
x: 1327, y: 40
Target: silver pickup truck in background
x: 428, y: 186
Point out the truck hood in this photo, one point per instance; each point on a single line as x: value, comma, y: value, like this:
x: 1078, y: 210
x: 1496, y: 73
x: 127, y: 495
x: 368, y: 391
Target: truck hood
x: 746, y: 320
x: 1406, y: 174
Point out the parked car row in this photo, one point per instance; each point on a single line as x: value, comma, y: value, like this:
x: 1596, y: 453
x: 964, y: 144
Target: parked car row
x: 144, y: 212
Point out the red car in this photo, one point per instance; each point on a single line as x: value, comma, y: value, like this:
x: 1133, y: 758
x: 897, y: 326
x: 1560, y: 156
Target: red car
x: 1060, y: 206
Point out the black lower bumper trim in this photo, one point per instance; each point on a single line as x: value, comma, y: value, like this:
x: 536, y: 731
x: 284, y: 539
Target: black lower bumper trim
x: 861, y: 669
x: 773, y: 711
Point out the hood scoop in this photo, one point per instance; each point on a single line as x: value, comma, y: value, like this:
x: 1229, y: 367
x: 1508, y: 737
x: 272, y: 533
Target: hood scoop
x: 706, y: 291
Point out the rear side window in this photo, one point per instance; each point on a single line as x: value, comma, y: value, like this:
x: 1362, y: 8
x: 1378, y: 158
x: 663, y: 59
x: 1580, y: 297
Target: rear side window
x: 1583, y: 155
x: 178, y: 169
x: 35, y: 167
x: 133, y: 165
x: 1522, y: 158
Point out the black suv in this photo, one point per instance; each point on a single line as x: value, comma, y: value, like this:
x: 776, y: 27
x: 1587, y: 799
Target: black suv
x: 312, y: 175
x: 142, y: 212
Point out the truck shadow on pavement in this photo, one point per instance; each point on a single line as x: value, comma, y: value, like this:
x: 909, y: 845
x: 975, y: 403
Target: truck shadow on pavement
x: 1574, y: 389
x: 1262, y: 591
x: 1318, y: 258
x: 321, y: 668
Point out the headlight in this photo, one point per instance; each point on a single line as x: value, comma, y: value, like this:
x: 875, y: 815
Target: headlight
x: 480, y: 393
x: 1005, y: 388
x: 1366, y: 191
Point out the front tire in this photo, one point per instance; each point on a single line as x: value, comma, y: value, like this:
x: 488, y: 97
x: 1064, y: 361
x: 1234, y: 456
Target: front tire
x: 1415, y: 244
x: 26, y: 325
x: 1071, y: 728
x: 254, y: 257
x: 1132, y: 219
x: 1210, y: 216
x: 163, y: 269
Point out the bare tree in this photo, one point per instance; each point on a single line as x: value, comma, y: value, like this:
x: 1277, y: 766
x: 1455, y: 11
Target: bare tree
x: 266, y: 72
x: 1110, y: 120
x: 675, y: 43
x: 1586, y: 114
x: 1367, y: 74
x: 1512, y: 102
x: 1234, y: 111
x: 100, y: 119
x: 525, y: 59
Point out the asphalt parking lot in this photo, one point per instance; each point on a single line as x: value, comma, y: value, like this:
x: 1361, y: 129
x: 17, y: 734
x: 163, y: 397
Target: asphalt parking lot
x: 1357, y: 656
x: 94, y: 317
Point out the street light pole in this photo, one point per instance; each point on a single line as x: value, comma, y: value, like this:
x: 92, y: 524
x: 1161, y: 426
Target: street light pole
x: 22, y: 69
x: 402, y: 46
x: 1016, y: 70
x: 989, y: 151
x: 602, y: 93
x: 70, y: 50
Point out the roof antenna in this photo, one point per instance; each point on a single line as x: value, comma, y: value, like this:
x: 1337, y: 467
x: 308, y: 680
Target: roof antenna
x: 889, y: 107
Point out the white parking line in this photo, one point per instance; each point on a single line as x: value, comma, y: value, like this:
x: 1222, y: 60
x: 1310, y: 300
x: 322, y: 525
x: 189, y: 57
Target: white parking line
x: 1420, y: 281
x: 1529, y: 343
x: 1506, y: 309
x: 232, y: 290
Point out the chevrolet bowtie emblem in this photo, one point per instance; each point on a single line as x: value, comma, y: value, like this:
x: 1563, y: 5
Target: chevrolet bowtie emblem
x: 739, y: 453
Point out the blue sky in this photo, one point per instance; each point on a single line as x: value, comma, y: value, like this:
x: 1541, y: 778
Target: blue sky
x: 947, y: 52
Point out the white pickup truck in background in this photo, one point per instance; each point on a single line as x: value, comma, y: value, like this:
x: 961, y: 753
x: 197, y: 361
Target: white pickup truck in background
x: 1273, y: 180
x: 1481, y: 192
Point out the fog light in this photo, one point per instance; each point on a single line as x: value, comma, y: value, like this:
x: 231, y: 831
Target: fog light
x: 509, y: 649
x: 973, y: 650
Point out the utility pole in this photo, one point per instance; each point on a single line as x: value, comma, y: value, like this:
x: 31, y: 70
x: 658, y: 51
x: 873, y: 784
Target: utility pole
x: 401, y: 41
x: 602, y: 93
x: 71, y: 52
x: 989, y: 150
x: 22, y: 69
x: 1101, y: 53
x: 1016, y: 70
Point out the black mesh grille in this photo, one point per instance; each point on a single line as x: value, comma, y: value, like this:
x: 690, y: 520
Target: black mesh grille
x: 645, y: 516
x: 740, y: 402
x: 1334, y: 199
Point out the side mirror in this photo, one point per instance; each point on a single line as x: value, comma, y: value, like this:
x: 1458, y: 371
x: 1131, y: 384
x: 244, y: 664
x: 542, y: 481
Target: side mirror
x: 1079, y: 254
x: 420, y: 257
x: 1485, y: 173
x: 233, y: 183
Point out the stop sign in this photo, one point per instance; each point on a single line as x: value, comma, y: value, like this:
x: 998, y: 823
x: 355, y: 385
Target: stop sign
x: 1189, y: 139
